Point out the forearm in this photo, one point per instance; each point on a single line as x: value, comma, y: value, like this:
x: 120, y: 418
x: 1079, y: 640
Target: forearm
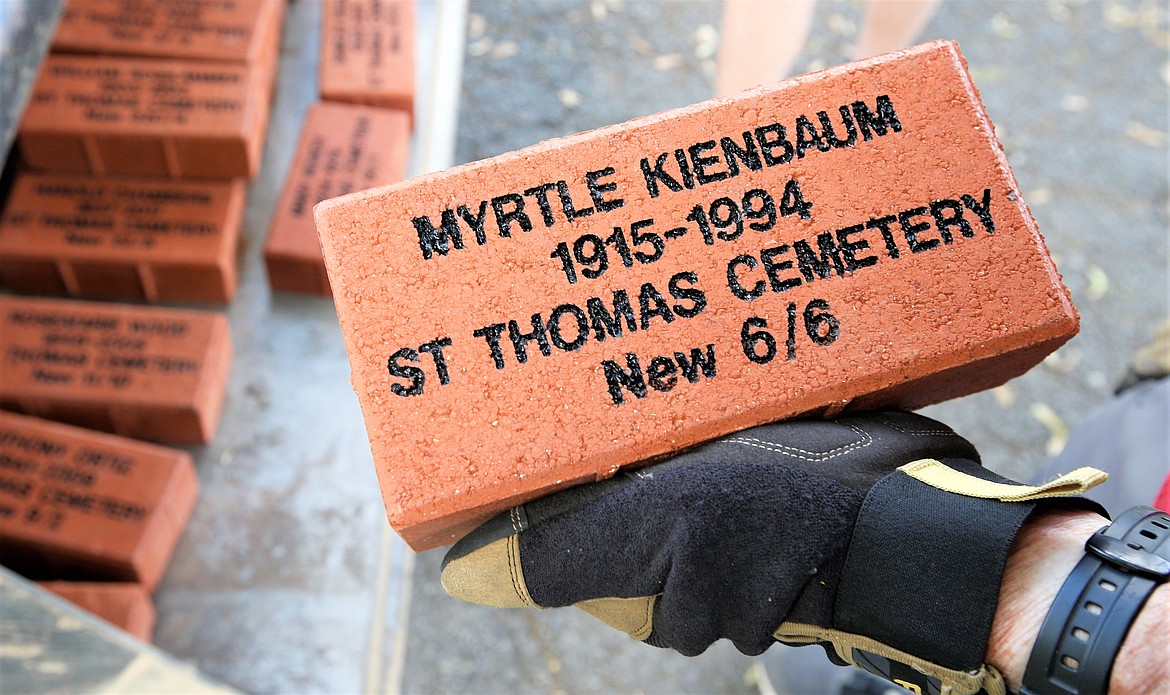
x: 1046, y: 551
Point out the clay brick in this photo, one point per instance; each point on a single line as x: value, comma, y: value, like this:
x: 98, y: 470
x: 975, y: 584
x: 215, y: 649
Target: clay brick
x: 367, y: 52
x: 343, y: 148
x: 135, y: 116
x: 76, y: 504
x: 123, y: 604
x: 143, y: 372
x: 146, y: 239
x: 851, y: 238
x: 214, y: 30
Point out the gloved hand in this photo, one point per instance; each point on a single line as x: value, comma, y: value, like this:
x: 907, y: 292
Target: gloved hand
x: 879, y: 536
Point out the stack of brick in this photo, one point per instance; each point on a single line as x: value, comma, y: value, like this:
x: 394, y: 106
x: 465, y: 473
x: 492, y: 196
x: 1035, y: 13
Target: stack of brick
x: 142, y: 128
x: 144, y: 125
x: 356, y: 136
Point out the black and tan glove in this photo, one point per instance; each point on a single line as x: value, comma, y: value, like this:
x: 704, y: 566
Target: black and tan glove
x: 880, y: 537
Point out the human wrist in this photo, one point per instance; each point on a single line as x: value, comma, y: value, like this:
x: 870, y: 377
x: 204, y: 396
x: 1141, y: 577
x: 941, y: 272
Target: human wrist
x: 1043, y: 555
x: 1047, y: 549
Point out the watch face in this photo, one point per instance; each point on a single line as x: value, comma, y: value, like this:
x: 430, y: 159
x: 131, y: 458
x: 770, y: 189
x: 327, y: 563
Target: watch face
x: 897, y: 673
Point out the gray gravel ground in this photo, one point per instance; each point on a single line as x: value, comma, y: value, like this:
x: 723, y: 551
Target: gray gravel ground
x: 1078, y: 91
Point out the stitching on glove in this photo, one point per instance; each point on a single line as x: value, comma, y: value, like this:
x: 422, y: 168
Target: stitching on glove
x: 645, y: 629
x: 515, y: 570
x: 813, y: 456
x: 915, y: 432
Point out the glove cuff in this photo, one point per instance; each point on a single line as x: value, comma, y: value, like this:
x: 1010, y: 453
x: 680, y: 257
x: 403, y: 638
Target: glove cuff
x: 927, y: 556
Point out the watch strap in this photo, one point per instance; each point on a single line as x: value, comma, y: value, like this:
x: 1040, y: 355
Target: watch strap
x: 1095, y: 607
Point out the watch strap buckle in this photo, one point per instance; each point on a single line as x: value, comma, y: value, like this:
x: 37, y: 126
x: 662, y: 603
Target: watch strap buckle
x: 1129, y: 556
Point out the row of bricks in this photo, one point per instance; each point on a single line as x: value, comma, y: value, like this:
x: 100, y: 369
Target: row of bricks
x: 129, y: 111
x: 76, y: 504
x: 155, y: 105
x: 161, y: 241
x: 176, y: 241
x: 178, y: 93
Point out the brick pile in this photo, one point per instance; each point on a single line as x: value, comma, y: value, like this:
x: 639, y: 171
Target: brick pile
x: 142, y: 130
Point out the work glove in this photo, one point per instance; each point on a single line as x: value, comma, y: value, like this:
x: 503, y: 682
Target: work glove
x: 880, y: 537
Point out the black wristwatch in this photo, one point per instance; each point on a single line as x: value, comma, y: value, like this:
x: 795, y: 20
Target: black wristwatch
x: 1095, y: 607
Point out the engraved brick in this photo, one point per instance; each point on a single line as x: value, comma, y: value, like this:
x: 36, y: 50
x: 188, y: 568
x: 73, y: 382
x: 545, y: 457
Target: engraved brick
x: 135, y: 116
x: 143, y: 372
x: 343, y: 148
x: 214, y: 30
x: 145, y: 239
x: 852, y: 239
x: 367, y: 52
x: 82, y: 505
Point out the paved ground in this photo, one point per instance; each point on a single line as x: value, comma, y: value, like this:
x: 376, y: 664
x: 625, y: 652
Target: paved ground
x: 1078, y: 91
